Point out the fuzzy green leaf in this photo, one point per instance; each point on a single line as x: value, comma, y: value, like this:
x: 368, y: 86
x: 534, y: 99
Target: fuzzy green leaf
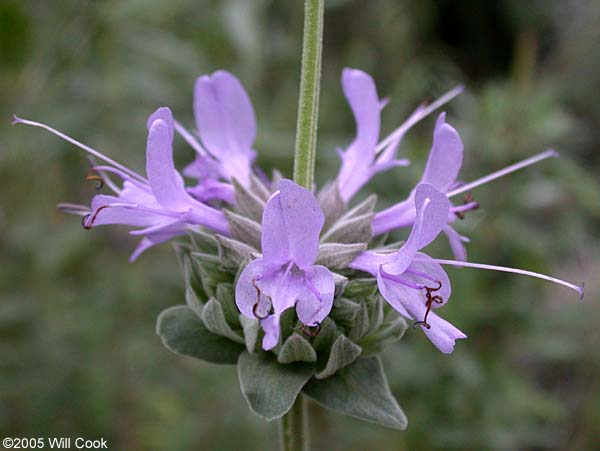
x: 234, y: 253
x: 259, y: 189
x: 365, y: 207
x: 360, y: 288
x: 184, y: 333
x: 296, y: 349
x: 244, y: 229
x: 350, y: 230
x: 360, y: 390
x: 269, y: 387
x: 214, y: 320
x: 344, y: 311
x: 361, y: 324
x: 225, y: 296
x: 339, y: 255
x: 247, y: 203
x: 391, y: 330
x: 251, y: 328
x: 331, y: 203
x: 343, y: 353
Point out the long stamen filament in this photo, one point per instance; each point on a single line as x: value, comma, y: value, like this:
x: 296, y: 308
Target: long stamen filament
x: 578, y: 289
x: 400, y: 280
x: 18, y: 120
x: 419, y: 114
x: 190, y: 139
x: 507, y: 170
x: 465, y: 207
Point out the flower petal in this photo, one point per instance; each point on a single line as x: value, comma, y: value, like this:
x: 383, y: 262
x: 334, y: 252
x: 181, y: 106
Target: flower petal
x: 106, y: 214
x: 445, y: 158
x: 316, y: 298
x: 165, y: 114
x: 361, y: 93
x: 167, y: 184
x: 432, y: 209
x: 456, y: 243
x: 149, y: 241
x: 442, y: 334
x: 291, y: 224
x: 226, y: 122
x: 271, y: 327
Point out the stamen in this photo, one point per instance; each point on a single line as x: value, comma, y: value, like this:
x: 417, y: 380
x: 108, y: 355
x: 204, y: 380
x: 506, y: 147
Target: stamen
x: 398, y: 279
x: 87, y: 225
x: 306, y: 330
x: 421, y: 274
x: 124, y: 176
x: 73, y: 209
x: 18, y: 120
x: 105, y: 178
x: 466, y: 207
x: 502, y: 172
x: 258, y: 299
x: 429, y: 302
x: 578, y: 289
x: 420, y: 113
x: 422, y: 323
x: 93, y: 177
x: 189, y: 138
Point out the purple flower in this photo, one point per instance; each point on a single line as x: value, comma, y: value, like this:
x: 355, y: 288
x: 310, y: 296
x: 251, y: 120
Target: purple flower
x: 286, y: 276
x: 226, y: 125
x: 158, y: 204
x: 365, y: 156
x: 441, y: 171
x: 410, y: 281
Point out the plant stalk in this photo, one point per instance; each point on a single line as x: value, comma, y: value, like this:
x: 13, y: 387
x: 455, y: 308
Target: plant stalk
x: 294, y: 427
x: 308, y: 104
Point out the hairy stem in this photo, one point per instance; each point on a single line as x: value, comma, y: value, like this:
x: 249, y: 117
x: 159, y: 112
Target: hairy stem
x: 294, y: 427
x: 308, y: 104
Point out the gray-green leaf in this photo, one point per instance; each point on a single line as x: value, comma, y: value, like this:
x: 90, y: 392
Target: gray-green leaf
x: 339, y: 255
x: 182, y: 331
x: 250, y: 326
x: 234, y: 253
x: 247, y: 203
x: 360, y: 390
x: 343, y: 353
x: 296, y: 349
x: 244, y: 229
x: 214, y: 320
x: 269, y: 387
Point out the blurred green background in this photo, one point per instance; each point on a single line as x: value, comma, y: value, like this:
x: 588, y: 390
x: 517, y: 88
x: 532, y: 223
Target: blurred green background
x: 78, y: 352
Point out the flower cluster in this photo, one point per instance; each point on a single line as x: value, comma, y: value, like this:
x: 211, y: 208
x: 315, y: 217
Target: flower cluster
x: 286, y: 254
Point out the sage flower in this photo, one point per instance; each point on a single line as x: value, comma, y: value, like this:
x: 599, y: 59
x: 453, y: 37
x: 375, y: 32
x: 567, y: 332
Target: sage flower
x: 441, y: 171
x: 226, y: 126
x: 414, y: 287
x: 366, y: 156
x: 158, y: 204
x: 286, y: 275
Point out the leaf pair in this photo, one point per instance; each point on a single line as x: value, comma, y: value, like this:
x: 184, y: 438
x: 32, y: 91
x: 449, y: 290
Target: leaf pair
x: 270, y: 388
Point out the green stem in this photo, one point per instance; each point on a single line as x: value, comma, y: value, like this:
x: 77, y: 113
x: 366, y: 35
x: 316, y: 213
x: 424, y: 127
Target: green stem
x: 294, y: 427
x: 308, y: 104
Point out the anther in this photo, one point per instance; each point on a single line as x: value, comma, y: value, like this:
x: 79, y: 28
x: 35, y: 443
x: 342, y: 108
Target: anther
x: 428, y: 303
x: 88, y: 220
x: 422, y: 323
x: 84, y: 222
x: 254, y: 312
x: 308, y: 331
x: 257, y: 304
x: 94, y: 177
